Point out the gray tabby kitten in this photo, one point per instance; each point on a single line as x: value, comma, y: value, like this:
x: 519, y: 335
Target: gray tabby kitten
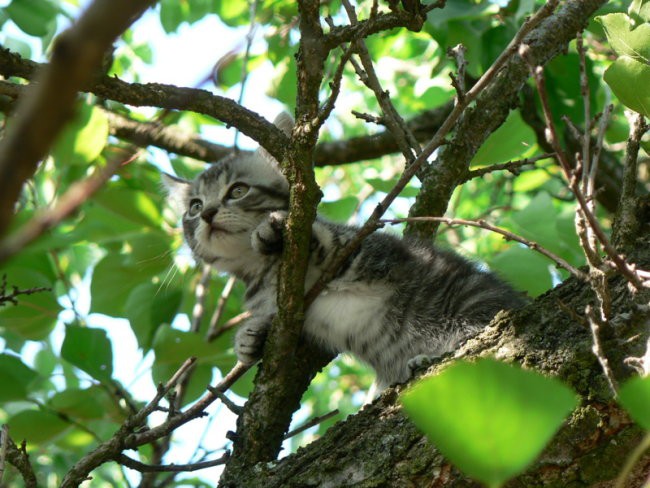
x: 394, y: 300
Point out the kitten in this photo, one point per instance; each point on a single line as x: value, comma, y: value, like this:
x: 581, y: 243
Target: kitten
x: 394, y: 300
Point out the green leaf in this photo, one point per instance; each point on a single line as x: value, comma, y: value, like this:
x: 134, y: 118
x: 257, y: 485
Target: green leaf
x: 34, y: 17
x: 78, y: 403
x: 172, y: 14
x: 16, y: 378
x: 89, y: 349
x: 116, y: 275
x: 35, y: 315
x: 385, y: 186
x: 625, y: 39
x: 83, y: 139
x: 639, y: 10
x: 339, y: 210
x: 232, y: 13
x: 489, y: 418
x: 149, y: 306
x: 513, y: 140
x: 635, y: 397
x: 534, y: 277
x: 173, y: 346
x: 134, y: 205
x: 538, y: 222
x: 112, y: 282
x: 200, y: 379
x: 284, y: 84
x: 35, y: 426
x: 627, y: 77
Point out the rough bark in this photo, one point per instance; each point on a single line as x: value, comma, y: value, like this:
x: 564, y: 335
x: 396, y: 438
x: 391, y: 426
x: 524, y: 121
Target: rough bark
x: 380, y: 447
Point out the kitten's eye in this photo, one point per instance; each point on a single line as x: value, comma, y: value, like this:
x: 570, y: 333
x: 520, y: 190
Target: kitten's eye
x: 196, y: 206
x: 238, y: 190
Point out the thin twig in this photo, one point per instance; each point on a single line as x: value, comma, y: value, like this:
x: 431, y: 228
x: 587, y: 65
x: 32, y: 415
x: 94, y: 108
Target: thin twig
x: 309, y: 424
x: 230, y: 405
x: 436, y: 141
x: 125, y: 438
x: 233, y: 322
x: 631, y: 461
x: 406, y: 141
x: 594, y: 324
x: 200, y: 295
x: 76, y: 195
x: 4, y: 442
x: 498, y: 230
x: 244, y: 69
x: 16, y: 292
x: 513, y: 166
x: 618, y: 262
x: 167, y: 468
x: 457, y: 53
x: 18, y: 457
x: 213, y: 329
x: 586, y: 100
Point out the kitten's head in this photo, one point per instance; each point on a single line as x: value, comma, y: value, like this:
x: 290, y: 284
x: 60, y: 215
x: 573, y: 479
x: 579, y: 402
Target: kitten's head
x: 225, y: 203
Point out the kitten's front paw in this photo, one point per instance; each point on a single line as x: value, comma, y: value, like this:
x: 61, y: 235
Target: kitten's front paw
x: 249, y: 341
x: 267, y: 237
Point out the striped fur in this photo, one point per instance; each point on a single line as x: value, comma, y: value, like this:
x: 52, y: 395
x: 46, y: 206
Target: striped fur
x: 394, y: 300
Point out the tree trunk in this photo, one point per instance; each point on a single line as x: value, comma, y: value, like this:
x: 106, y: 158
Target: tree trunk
x: 380, y: 447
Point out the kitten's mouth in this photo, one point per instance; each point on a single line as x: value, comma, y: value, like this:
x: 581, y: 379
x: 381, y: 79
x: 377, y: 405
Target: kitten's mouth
x: 215, y: 229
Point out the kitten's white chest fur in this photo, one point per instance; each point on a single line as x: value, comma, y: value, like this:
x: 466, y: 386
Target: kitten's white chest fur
x: 343, y: 313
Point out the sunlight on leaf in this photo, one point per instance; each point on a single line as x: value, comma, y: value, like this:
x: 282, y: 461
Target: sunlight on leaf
x: 489, y: 418
x: 36, y: 426
x: 89, y: 349
x: 635, y: 397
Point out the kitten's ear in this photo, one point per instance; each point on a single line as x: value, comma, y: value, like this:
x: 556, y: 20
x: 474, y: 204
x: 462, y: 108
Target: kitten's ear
x: 284, y: 121
x: 177, y: 190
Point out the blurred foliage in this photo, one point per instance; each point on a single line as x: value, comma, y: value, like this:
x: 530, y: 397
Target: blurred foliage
x: 489, y: 418
x: 117, y: 270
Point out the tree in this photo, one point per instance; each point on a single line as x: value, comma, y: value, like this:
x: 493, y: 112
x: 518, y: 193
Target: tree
x: 462, y: 121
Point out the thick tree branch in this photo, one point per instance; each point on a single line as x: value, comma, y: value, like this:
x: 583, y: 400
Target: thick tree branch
x: 458, y: 111
x: 168, y: 97
x: 281, y: 379
x: 76, y: 58
x: 76, y: 195
x: 380, y: 447
x: 492, y: 107
x: 626, y: 223
x: 18, y: 457
x: 171, y: 139
x: 380, y: 23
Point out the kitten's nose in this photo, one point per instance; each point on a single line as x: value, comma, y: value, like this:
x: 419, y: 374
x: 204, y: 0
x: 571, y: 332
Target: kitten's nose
x: 209, y: 213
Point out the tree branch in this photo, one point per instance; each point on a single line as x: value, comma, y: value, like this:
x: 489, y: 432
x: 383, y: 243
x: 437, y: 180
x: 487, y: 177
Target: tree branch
x: 141, y: 133
x: 492, y: 106
x: 18, y: 457
x: 280, y: 382
x: 76, y: 195
x: 76, y: 58
x: 169, y: 97
x: 379, y: 447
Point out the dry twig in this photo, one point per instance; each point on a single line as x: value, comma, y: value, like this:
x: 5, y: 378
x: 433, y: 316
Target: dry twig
x: 436, y: 141
x: 76, y: 195
x: 482, y: 224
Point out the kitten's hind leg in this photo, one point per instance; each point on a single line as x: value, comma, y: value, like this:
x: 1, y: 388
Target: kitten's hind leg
x: 267, y: 236
x: 250, y: 337
x: 421, y: 362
